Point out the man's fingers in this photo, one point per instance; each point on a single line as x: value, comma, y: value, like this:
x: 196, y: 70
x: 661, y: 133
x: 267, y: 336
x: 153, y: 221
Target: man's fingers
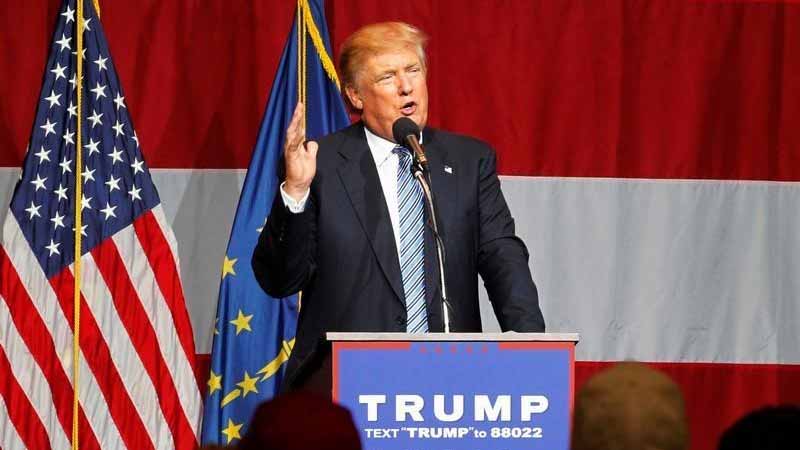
x: 298, y: 113
x: 295, y: 133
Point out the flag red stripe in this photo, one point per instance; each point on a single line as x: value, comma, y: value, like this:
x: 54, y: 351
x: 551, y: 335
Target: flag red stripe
x: 135, y: 320
x: 20, y: 410
x: 35, y: 334
x: 98, y: 357
x: 162, y: 263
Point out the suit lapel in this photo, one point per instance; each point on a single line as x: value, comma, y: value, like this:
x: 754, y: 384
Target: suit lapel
x: 443, y: 185
x: 443, y: 180
x: 360, y: 179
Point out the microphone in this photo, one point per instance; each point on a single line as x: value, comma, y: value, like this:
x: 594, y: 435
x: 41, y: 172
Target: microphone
x: 405, y: 132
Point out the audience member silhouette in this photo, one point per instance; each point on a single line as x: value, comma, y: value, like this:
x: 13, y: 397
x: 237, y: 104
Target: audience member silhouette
x: 771, y: 428
x: 301, y: 421
x: 630, y: 406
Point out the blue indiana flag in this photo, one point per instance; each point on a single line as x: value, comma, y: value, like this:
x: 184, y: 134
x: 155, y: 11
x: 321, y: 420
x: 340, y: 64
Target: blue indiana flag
x: 254, y: 333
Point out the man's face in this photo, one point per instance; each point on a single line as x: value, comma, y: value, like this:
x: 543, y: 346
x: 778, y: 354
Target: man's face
x: 389, y: 86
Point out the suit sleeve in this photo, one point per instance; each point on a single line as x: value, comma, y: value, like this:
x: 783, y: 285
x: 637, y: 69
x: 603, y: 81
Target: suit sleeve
x: 503, y: 257
x: 283, y: 260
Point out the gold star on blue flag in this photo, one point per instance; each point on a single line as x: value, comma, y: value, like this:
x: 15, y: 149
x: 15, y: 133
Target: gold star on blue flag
x: 233, y: 394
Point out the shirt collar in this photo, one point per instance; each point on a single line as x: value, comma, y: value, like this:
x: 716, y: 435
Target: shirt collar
x: 380, y: 148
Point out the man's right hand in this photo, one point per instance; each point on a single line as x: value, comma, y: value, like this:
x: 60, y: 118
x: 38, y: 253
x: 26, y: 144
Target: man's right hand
x: 301, y: 159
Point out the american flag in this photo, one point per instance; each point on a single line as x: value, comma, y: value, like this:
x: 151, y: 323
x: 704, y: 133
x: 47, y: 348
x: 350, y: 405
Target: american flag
x: 136, y: 386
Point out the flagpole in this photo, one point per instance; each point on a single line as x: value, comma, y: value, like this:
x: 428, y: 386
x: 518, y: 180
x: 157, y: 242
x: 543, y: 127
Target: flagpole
x: 302, y: 9
x: 301, y: 57
x: 76, y: 300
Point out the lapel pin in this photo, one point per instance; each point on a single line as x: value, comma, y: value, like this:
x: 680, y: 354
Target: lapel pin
x: 448, y: 169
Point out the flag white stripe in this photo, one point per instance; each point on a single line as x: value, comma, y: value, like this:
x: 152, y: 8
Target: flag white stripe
x: 48, y: 308
x: 9, y: 439
x: 30, y: 378
x: 95, y: 407
x: 160, y: 316
x: 123, y: 353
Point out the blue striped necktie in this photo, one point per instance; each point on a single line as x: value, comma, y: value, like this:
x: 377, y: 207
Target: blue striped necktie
x: 412, y: 243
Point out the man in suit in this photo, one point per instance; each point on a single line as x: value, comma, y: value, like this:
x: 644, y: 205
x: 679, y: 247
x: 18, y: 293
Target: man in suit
x: 349, y: 227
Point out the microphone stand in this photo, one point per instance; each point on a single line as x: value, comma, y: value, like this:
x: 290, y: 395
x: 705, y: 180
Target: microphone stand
x: 420, y: 171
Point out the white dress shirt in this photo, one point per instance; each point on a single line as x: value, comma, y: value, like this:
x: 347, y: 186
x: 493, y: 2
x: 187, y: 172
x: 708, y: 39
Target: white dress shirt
x: 386, y: 161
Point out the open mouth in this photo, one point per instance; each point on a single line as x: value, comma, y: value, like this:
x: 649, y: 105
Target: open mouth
x: 409, y: 108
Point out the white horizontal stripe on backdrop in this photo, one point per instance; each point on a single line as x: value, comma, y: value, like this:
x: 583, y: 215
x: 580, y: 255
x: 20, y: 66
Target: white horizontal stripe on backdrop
x: 657, y: 270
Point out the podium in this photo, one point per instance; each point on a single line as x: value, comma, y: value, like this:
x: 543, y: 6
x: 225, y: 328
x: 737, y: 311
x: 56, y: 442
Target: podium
x: 470, y: 391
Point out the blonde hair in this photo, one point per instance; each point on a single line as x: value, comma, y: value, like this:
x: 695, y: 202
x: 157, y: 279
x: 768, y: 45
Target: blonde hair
x: 375, y: 39
x: 630, y: 406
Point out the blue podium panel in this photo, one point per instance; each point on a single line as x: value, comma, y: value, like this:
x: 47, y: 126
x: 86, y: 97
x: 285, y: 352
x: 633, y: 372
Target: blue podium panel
x: 457, y: 395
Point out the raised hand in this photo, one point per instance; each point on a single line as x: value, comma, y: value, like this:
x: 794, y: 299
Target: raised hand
x: 301, y: 159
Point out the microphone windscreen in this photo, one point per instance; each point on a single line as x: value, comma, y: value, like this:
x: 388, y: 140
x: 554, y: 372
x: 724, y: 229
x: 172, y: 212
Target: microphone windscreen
x: 403, y: 127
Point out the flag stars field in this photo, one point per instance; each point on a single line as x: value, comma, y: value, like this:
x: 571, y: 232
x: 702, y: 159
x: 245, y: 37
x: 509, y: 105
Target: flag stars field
x: 58, y: 221
x: 48, y: 127
x: 65, y: 165
x: 43, y: 155
x: 228, y: 266
x: 99, y: 91
x: 53, y: 248
x: 242, y: 322
x: 68, y: 138
x: 118, y: 128
x: 61, y: 192
x: 134, y: 193
x: 39, y: 182
x: 115, y: 155
x: 33, y: 210
x: 92, y: 145
x: 53, y: 99
x: 136, y: 165
x: 64, y: 43
x: 108, y: 211
x: 95, y: 118
x: 88, y: 174
x: 248, y: 384
x: 214, y: 383
x: 119, y: 101
x: 231, y: 432
x: 101, y: 63
x: 58, y: 71
x: 112, y: 183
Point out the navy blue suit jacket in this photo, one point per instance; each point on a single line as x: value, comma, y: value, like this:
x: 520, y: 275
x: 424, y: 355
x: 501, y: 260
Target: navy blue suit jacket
x: 340, y: 251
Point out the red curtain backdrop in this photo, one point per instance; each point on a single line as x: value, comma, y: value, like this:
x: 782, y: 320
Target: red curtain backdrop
x: 646, y: 89
x: 670, y: 89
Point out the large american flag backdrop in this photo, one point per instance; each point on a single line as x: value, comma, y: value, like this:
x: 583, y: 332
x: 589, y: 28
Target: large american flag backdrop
x: 650, y: 153
x: 136, y: 382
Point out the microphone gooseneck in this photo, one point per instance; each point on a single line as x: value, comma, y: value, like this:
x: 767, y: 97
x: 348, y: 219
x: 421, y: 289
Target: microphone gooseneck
x: 406, y: 132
